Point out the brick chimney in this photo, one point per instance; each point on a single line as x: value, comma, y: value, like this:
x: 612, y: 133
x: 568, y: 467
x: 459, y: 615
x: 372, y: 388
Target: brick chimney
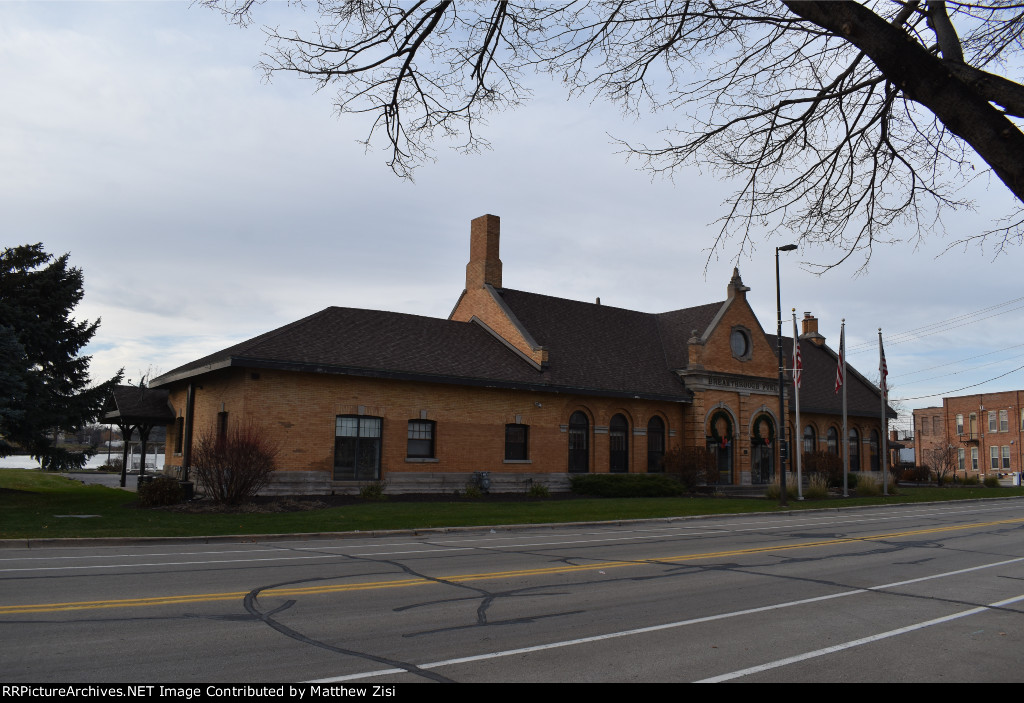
x: 809, y: 330
x: 484, y: 265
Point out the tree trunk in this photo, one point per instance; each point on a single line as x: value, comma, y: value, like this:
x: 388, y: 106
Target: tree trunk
x: 924, y: 79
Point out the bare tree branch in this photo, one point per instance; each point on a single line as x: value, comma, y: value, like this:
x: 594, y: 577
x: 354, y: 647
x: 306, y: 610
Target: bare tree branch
x: 846, y: 124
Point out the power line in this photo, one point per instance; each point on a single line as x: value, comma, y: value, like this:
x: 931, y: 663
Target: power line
x: 941, y: 326
x: 973, y: 385
x: 959, y: 361
x: 956, y: 373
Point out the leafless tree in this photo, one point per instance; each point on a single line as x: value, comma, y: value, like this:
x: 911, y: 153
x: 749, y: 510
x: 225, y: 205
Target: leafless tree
x: 943, y: 462
x: 845, y: 123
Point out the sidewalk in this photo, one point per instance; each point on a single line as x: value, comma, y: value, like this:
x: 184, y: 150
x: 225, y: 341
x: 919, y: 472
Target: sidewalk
x: 100, y: 479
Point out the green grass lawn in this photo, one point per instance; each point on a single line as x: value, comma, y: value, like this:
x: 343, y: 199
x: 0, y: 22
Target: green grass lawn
x: 31, y: 500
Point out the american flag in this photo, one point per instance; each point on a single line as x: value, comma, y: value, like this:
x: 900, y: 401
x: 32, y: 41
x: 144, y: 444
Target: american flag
x: 839, y: 368
x: 798, y: 363
x: 883, y: 370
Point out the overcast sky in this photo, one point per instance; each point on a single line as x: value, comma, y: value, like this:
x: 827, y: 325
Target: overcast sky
x: 206, y: 206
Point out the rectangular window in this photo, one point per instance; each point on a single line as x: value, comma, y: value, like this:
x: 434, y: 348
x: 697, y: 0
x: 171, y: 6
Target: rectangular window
x: 421, y: 439
x: 357, y: 448
x: 960, y: 424
x: 992, y: 426
x: 1004, y: 421
x: 179, y: 434
x: 960, y: 459
x: 974, y: 458
x: 995, y: 457
x: 517, y: 442
x: 937, y: 426
x: 222, y: 427
x: 1006, y: 457
x: 924, y: 426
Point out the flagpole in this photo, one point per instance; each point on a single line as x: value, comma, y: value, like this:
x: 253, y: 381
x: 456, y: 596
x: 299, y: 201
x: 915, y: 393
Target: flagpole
x: 846, y: 435
x: 798, y: 440
x: 883, y: 371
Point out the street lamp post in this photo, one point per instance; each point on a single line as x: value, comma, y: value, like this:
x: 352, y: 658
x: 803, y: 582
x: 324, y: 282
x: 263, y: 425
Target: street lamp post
x: 784, y: 444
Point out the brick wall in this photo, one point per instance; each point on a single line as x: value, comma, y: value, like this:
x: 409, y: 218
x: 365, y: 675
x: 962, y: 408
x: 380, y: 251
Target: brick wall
x: 299, y: 410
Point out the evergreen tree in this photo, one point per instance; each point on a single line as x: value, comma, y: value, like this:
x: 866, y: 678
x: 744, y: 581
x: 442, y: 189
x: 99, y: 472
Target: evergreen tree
x: 44, y: 383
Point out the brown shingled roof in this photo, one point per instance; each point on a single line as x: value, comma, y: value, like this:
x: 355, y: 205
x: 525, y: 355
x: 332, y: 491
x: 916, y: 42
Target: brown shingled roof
x: 592, y: 349
x: 817, y: 385
x: 412, y: 347
x: 134, y: 405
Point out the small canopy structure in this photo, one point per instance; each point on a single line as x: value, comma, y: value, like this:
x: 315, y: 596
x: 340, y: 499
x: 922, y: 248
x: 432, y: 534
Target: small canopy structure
x: 137, y: 408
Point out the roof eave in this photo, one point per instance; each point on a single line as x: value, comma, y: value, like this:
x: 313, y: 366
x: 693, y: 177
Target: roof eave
x: 175, y: 376
x: 306, y: 367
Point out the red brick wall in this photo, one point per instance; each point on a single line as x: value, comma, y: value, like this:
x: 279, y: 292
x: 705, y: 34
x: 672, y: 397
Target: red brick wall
x: 299, y: 410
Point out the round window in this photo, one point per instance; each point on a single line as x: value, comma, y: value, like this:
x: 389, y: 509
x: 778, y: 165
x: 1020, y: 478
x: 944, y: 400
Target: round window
x: 740, y: 343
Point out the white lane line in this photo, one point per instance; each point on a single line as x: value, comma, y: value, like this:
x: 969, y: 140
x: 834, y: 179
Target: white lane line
x: 856, y: 643
x: 694, y: 621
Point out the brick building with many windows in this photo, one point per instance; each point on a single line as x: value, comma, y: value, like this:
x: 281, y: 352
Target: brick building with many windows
x: 528, y: 387
x: 980, y: 433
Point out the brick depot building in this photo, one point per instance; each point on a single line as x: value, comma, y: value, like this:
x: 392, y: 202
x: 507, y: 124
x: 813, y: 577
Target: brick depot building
x: 528, y: 387
x: 982, y: 432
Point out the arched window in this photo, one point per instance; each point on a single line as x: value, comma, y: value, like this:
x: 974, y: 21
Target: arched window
x: 873, y: 448
x: 618, y: 440
x: 655, y: 444
x: 579, y: 446
x: 720, y: 440
x: 762, y: 450
x: 854, y: 450
x: 810, y: 440
x: 832, y: 439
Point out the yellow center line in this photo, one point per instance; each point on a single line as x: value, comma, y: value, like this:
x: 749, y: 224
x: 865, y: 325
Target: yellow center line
x: 465, y: 578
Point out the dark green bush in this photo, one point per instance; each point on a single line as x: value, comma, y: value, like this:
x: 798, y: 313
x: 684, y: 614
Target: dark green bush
x: 626, y: 485
x: 991, y: 481
x: 373, y: 490
x: 163, y: 490
x: 538, y: 490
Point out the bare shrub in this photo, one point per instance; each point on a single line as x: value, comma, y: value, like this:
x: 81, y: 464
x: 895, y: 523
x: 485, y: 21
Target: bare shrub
x: 691, y: 466
x: 234, y: 466
x: 826, y: 464
x: 917, y: 474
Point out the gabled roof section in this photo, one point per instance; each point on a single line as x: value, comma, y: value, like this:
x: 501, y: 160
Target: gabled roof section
x: 597, y: 344
x: 411, y: 347
x: 677, y: 327
x: 338, y: 339
x: 136, y: 405
x: 817, y: 385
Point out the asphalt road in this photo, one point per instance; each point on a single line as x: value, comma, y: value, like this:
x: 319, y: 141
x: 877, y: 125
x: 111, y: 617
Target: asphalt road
x: 905, y: 593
